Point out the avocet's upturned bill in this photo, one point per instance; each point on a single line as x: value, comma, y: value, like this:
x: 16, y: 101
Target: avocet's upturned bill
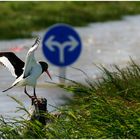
x: 26, y: 73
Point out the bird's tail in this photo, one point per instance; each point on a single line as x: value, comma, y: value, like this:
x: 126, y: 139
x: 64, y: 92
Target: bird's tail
x: 9, y: 87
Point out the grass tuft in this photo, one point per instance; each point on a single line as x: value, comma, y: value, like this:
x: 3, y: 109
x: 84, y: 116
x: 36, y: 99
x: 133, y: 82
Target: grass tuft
x: 107, y: 108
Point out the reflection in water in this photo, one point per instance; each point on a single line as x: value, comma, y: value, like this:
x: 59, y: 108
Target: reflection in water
x: 103, y: 43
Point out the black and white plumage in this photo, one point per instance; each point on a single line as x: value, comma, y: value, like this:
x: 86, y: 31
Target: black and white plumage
x: 12, y: 62
x: 26, y: 73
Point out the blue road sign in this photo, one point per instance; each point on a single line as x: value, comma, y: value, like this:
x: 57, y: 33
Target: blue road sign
x: 61, y: 45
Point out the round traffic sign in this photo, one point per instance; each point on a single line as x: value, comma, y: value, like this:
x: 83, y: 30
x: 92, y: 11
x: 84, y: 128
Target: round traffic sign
x: 61, y: 45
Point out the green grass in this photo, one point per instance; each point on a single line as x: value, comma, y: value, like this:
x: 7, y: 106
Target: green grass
x: 20, y: 19
x: 106, y: 108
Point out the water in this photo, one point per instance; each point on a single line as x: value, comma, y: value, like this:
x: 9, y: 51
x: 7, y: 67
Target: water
x: 103, y: 43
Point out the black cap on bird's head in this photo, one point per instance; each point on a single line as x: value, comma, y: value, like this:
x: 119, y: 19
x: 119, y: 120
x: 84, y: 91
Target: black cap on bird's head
x: 44, y: 66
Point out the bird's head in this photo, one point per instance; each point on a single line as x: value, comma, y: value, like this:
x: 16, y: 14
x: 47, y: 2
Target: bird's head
x: 44, y: 66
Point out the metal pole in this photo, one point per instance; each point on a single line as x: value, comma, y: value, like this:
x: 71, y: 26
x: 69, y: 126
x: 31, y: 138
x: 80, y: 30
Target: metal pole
x: 62, y: 73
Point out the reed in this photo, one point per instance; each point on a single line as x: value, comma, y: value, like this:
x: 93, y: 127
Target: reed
x: 106, y: 108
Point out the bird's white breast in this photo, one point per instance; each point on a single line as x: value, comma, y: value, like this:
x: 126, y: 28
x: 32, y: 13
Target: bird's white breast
x: 31, y: 79
x: 36, y: 71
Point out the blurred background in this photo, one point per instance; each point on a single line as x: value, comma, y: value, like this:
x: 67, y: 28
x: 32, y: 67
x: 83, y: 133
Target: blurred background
x: 21, y: 19
x: 110, y: 33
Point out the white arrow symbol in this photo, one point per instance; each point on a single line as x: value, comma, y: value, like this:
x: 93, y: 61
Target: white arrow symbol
x: 73, y: 43
x: 50, y: 43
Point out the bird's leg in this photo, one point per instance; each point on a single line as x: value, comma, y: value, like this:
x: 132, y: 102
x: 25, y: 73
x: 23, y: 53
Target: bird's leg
x: 27, y: 93
x: 31, y: 97
x: 35, y: 93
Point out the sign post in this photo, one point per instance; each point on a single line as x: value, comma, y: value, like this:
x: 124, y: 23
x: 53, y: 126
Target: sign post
x: 61, y: 46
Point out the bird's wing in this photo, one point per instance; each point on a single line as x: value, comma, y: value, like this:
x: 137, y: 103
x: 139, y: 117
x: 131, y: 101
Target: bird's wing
x: 30, y: 59
x: 12, y: 63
